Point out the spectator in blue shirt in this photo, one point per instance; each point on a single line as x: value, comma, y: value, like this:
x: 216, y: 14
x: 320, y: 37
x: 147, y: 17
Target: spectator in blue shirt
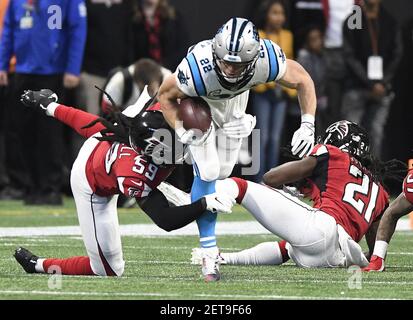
x: 48, y: 39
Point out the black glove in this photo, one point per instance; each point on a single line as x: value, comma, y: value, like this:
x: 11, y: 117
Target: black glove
x: 38, y: 100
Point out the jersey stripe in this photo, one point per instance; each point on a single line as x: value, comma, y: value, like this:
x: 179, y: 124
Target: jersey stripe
x: 196, y: 75
x: 272, y: 59
x: 241, y: 30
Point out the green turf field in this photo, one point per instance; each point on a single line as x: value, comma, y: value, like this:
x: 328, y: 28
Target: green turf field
x: 159, y: 268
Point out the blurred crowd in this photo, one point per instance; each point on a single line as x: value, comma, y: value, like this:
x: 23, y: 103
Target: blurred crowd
x: 123, y: 45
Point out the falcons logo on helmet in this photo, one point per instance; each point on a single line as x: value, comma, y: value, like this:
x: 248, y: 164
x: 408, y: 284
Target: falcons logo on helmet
x: 340, y: 127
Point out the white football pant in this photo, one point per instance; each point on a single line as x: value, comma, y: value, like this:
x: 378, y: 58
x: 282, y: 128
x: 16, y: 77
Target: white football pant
x: 217, y: 156
x: 313, y: 237
x: 98, y: 219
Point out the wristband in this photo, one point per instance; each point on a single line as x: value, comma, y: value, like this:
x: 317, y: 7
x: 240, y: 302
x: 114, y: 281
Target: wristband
x: 309, y: 118
x: 51, y: 108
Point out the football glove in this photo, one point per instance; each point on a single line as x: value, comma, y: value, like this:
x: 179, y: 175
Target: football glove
x: 192, y: 136
x: 38, y: 100
x: 240, y: 128
x: 303, y: 139
x: 219, y: 203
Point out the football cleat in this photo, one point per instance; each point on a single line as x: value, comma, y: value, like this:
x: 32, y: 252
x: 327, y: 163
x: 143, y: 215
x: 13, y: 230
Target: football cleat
x: 196, y: 257
x: 26, y: 259
x: 376, y: 264
x: 210, y: 264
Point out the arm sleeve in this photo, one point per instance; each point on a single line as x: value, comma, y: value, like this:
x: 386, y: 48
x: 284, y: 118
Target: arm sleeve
x: 156, y: 206
x: 77, y: 119
x: 7, y: 41
x: 77, y: 35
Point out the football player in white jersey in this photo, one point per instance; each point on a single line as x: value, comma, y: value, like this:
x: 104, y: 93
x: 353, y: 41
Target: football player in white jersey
x: 221, y: 71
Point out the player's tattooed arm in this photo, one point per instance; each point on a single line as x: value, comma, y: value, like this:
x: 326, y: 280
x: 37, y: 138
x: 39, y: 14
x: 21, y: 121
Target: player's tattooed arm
x: 168, y: 95
x: 296, y: 77
x: 393, y: 213
x: 290, y: 172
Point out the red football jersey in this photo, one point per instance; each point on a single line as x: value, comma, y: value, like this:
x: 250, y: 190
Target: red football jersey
x: 114, y: 168
x: 408, y: 186
x: 346, y: 190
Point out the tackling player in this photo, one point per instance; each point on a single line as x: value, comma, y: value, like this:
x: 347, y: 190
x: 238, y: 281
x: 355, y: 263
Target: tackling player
x: 344, y: 181
x: 118, y: 157
x: 221, y: 71
x: 397, y: 209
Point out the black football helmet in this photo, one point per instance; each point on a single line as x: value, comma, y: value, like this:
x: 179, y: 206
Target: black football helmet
x: 150, y: 134
x: 349, y: 137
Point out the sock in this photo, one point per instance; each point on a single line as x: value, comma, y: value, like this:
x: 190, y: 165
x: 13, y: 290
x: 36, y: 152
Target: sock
x: 266, y: 253
x: 70, y: 266
x: 39, y: 265
x: 242, y: 188
x: 380, y: 248
x: 206, y: 223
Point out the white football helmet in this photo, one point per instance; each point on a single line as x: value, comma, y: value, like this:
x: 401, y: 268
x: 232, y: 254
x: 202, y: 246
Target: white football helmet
x: 235, y: 49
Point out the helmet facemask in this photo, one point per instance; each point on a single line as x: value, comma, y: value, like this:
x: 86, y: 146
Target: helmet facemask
x: 245, y: 71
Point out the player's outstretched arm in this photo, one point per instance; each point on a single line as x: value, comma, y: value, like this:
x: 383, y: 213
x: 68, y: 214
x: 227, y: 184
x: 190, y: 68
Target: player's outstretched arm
x: 168, y: 95
x: 169, y: 218
x: 290, y: 172
x: 387, y: 226
x: 397, y: 209
x: 297, y: 77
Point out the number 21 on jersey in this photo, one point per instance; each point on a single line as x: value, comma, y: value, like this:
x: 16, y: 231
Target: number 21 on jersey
x: 365, y: 188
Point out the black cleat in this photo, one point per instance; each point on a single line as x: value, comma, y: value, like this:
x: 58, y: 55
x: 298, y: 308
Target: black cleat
x: 26, y: 259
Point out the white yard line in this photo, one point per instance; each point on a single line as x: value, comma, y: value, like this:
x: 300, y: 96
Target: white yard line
x: 170, y: 295
x: 222, y: 228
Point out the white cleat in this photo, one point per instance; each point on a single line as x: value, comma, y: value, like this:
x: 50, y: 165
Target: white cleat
x: 209, y: 258
x: 196, y: 257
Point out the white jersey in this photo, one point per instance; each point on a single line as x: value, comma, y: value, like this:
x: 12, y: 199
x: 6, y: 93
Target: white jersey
x: 196, y: 76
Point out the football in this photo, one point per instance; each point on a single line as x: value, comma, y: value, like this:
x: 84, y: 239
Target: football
x: 195, y: 114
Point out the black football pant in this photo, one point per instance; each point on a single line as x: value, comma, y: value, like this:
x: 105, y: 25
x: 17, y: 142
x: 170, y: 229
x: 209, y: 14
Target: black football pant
x: 34, y: 141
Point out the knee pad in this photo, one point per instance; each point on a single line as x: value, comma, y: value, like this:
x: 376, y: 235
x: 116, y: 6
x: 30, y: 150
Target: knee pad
x: 225, y: 171
x: 209, y: 173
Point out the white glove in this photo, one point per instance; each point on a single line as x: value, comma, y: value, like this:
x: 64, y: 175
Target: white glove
x: 303, y: 138
x: 192, y: 136
x: 240, y: 128
x: 219, y: 203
